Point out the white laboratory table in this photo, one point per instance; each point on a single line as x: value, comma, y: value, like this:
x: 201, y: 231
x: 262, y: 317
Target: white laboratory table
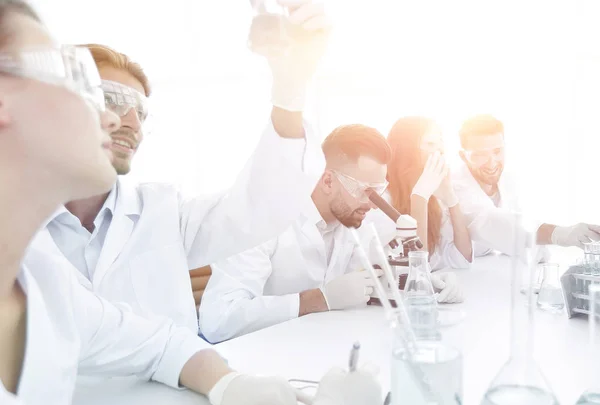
x: 307, y: 347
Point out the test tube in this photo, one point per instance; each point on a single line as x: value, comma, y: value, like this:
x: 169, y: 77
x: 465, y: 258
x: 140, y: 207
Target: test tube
x: 588, y: 252
x: 596, y: 251
x: 579, y: 283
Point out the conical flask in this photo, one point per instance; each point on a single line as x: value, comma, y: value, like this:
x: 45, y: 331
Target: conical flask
x: 420, y: 298
x: 520, y: 381
x: 592, y: 395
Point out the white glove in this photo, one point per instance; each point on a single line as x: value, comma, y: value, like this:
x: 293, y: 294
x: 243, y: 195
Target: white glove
x: 448, y: 286
x: 350, y: 290
x: 445, y: 192
x: 575, y: 235
x: 236, y: 389
x: 293, y: 70
x: 339, y: 387
x: 434, y: 172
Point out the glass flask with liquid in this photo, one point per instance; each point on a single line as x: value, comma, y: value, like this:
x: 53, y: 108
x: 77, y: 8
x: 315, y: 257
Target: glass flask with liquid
x: 271, y: 33
x: 420, y: 300
x: 520, y: 381
x: 424, y: 372
x: 550, y: 297
x: 592, y: 395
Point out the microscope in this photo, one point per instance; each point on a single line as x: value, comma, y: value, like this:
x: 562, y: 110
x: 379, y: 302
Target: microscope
x: 406, y: 240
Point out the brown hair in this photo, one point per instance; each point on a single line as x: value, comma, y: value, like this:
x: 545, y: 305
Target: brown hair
x: 106, y: 56
x: 349, y: 142
x: 405, y: 169
x: 15, y: 6
x: 480, y: 125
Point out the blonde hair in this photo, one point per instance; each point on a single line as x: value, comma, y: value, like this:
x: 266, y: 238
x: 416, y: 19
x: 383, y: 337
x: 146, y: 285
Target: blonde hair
x: 106, y: 56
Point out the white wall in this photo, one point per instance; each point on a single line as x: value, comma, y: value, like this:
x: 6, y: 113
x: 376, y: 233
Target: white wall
x: 535, y: 64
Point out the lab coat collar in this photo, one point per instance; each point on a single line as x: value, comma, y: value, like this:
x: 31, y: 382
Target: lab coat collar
x: 128, y: 200
x: 128, y: 208
x: 110, y: 205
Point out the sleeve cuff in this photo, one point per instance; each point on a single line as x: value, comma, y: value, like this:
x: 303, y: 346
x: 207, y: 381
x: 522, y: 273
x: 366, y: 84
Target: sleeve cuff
x: 181, y: 347
x: 295, y: 306
x: 215, y: 396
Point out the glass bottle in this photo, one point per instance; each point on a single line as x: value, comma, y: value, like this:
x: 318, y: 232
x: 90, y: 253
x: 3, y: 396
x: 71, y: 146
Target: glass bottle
x: 421, y: 303
x: 550, y: 297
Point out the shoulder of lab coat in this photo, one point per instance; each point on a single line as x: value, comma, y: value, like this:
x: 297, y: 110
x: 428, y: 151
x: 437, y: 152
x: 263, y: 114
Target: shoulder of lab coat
x: 446, y: 254
x: 490, y: 227
x: 233, y: 303
x: 265, y: 199
x: 114, y: 341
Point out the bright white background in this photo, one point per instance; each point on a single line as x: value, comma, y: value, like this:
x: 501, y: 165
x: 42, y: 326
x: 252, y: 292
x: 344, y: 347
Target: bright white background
x: 534, y: 64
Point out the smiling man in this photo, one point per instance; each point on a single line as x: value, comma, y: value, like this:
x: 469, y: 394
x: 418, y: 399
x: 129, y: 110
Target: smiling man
x: 487, y: 195
x: 137, y: 243
x: 311, y: 267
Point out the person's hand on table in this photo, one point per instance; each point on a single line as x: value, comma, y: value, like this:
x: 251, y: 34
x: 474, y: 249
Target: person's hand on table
x: 241, y: 389
x: 349, y: 290
x: 199, y: 278
x: 448, y: 286
x: 340, y: 387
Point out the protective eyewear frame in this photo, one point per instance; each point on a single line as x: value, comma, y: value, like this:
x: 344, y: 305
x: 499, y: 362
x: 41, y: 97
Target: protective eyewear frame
x: 67, y: 66
x: 121, y: 99
x: 480, y: 157
x: 358, y: 189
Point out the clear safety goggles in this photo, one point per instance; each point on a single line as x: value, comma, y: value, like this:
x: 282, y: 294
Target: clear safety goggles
x: 68, y: 66
x: 359, y: 189
x: 121, y: 99
x: 481, y: 157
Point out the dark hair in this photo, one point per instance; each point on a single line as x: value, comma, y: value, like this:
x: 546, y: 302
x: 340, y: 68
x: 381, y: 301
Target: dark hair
x: 405, y: 169
x: 15, y: 6
x: 480, y: 125
x: 352, y: 141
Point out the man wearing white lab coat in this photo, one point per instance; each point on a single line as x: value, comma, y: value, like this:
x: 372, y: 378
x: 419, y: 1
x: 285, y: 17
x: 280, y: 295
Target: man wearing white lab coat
x: 137, y: 243
x: 312, y: 266
x: 488, y: 196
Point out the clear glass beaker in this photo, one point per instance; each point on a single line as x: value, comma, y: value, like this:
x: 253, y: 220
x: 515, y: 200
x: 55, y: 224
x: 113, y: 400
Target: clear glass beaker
x: 439, y: 364
x: 420, y: 300
x: 592, y: 395
x: 424, y: 372
x: 550, y: 297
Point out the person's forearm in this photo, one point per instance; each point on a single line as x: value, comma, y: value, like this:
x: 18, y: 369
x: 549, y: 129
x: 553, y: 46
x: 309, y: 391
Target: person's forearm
x: 312, y: 301
x: 418, y: 210
x: 544, y: 234
x: 462, y: 238
x: 203, y: 370
x: 287, y: 124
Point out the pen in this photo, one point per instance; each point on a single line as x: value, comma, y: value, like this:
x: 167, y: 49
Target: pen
x: 354, y: 356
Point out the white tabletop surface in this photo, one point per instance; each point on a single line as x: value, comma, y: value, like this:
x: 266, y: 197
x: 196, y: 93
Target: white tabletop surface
x: 307, y: 347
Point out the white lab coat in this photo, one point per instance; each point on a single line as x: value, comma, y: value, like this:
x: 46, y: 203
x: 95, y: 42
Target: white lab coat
x: 492, y: 227
x: 71, y: 330
x: 260, y: 287
x: 446, y: 255
x: 156, y: 235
